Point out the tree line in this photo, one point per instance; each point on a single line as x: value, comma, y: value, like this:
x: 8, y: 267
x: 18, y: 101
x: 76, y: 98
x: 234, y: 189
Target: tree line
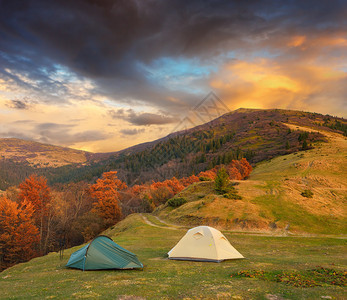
x: 36, y: 219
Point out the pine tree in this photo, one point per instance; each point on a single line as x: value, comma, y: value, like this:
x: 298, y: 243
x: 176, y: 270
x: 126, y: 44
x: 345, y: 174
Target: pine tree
x: 221, y: 181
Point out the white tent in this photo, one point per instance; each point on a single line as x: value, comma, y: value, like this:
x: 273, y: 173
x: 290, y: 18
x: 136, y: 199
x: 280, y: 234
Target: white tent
x: 204, y: 243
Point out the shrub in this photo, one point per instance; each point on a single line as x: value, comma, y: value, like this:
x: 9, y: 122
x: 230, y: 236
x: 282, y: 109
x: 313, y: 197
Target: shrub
x: 232, y: 195
x: 176, y: 202
x: 203, y: 178
x: 307, y: 193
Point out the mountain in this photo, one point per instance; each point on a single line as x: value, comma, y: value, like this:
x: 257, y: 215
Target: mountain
x: 255, y: 134
x: 295, y: 194
x: 40, y: 155
x: 299, y: 192
x: 21, y: 158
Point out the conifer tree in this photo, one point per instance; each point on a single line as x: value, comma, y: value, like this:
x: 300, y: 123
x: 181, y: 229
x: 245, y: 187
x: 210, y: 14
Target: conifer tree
x: 221, y: 181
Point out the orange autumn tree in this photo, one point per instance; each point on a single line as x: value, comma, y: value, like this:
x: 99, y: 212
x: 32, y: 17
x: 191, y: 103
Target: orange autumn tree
x: 161, y: 191
x: 209, y: 174
x: 246, y: 168
x: 35, y: 191
x: 185, y: 181
x: 239, y: 169
x: 105, y: 192
x: 137, y: 199
x: 19, y: 237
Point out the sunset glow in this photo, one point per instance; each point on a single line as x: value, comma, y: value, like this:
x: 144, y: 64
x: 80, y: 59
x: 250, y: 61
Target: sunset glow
x: 128, y: 73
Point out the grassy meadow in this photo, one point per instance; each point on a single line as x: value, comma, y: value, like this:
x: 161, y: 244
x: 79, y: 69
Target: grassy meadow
x: 46, y: 277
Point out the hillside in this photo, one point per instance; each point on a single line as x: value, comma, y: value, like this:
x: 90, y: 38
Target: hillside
x: 40, y: 155
x: 274, y: 226
x: 271, y: 197
x: 21, y: 158
x: 257, y: 135
x: 167, y: 279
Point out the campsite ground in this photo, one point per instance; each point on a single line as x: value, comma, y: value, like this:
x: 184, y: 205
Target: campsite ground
x: 46, y: 277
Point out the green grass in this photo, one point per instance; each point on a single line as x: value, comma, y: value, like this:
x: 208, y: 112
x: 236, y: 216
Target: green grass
x: 46, y: 277
x: 286, y: 212
x: 304, y: 278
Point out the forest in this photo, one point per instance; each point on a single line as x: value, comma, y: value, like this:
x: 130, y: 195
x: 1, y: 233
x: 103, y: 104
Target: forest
x: 36, y: 218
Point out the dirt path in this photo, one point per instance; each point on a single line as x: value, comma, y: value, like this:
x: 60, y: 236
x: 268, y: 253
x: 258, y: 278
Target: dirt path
x: 166, y: 225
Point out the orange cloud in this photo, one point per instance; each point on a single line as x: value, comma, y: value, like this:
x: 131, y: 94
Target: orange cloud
x: 330, y: 41
x: 296, y: 41
x: 268, y: 84
x: 316, y: 43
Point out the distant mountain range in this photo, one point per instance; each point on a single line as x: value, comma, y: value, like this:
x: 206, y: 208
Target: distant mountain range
x: 40, y: 155
x: 255, y: 134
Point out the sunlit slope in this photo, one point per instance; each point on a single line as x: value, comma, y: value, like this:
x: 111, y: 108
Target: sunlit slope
x: 40, y: 155
x: 271, y: 197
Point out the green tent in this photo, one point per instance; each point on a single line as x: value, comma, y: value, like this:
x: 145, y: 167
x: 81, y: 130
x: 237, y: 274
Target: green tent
x: 103, y: 253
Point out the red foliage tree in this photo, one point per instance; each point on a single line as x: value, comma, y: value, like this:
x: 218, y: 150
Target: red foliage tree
x: 239, y: 169
x: 234, y: 173
x: 211, y: 174
x: 185, y: 181
x: 161, y: 191
x: 137, y: 199
x: 19, y: 237
x: 35, y: 191
x: 105, y: 192
x: 247, y: 168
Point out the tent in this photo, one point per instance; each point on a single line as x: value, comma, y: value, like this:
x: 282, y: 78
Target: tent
x: 204, y: 243
x: 103, y: 253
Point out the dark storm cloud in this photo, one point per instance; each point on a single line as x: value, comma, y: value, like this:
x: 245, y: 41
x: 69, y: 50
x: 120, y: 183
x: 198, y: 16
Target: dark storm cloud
x: 110, y: 41
x: 141, y: 119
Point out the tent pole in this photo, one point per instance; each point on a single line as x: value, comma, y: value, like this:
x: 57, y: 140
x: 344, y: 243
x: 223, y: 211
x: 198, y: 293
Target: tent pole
x: 84, y: 262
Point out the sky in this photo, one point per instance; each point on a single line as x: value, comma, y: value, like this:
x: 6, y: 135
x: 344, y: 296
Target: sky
x: 103, y: 75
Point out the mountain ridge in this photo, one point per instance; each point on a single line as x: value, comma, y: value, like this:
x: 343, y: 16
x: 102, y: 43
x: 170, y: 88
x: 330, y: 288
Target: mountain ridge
x: 256, y: 134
